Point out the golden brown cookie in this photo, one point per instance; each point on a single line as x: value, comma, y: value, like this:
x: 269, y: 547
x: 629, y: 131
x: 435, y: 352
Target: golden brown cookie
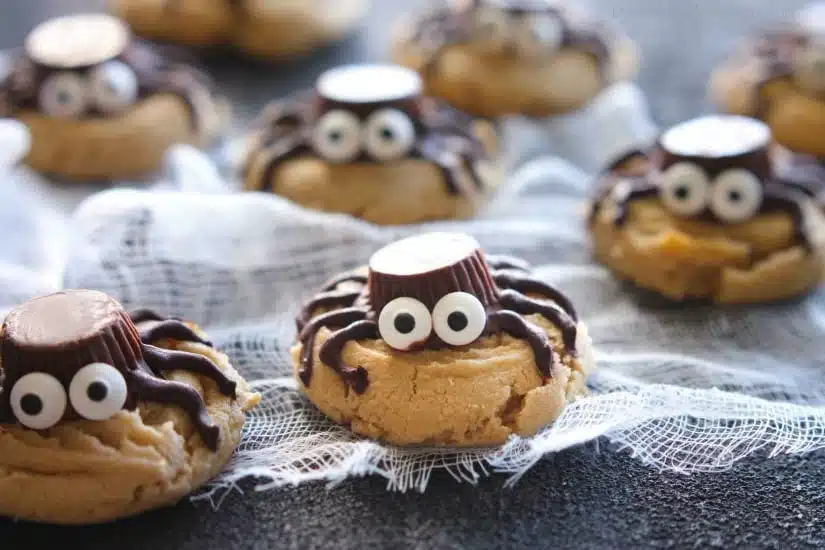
x: 436, y: 344
x: 101, y: 105
x: 779, y: 77
x: 710, y: 217
x: 266, y: 28
x: 367, y: 143
x: 513, y: 57
x: 105, y: 415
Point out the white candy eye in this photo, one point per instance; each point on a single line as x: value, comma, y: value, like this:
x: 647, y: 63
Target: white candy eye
x: 736, y: 196
x: 337, y: 136
x: 404, y: 322
x: 492, y: 26
x: 389, y: 134
x: 63, y: 95
x: 685, y: 189
x: 459, y: 318
x: 97, y: 391
x: 546, y: 29
x: 38, y: 400
x: 114, y: 86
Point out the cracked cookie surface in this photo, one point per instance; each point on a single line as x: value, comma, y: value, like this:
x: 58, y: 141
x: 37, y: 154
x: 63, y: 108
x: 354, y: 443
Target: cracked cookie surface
x: 96, y: 471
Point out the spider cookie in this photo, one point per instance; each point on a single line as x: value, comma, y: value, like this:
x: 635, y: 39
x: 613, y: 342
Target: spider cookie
x: 504, y: 57
x: 102, y: 105
x: 779, y: 77
x: 267, y: 28
x: 105, y: 415
x: 437, y: 344
x: 710, y: 216
x: 367, y: 143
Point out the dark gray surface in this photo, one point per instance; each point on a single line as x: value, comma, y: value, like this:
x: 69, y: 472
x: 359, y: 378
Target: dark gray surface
x: 584, y: 497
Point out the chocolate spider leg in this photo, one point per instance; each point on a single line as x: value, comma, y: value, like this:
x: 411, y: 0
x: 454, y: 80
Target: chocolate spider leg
x: 517, y: 326
x: 449, y: 163
x: 292, y: 111
x: 330, y: 352
x: 180, y: 82
x: 496, y: 262
x: 333, y: 319
x: 513, y: 300
x: 328, y: 299
x: 284, y: 149
x: 157, y: 390
x: 344, y: 278
x: 791, y: 202
x: 529, y: 285
x: 627, y: 191
x: 171, y: 329
x: 163, y: 360
x: 142, y: 315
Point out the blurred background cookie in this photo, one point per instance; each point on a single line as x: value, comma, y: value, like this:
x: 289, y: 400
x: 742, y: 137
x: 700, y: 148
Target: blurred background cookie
x: 439, y: 345
x: 106, y: 414
x: 501, y: 57
x: 779, y: 77
x: 366, y: 142
x: 710, y: 216
x: 102, y: 105
x: 266, y: 28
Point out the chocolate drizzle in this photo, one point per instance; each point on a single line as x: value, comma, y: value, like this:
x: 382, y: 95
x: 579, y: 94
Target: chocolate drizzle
x: 155, y: 73
x: 60, y: 334
x: 154, y: 327
x: 452, y: 25
x: 459, y: 269
x: 443, y: 136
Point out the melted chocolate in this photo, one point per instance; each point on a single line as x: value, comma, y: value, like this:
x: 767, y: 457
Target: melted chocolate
x: 61, y: 333
x: 446, y: 27
x: 326, y: 300
x: 444, y: 136
x: 518, y: 327
x: 344, y: 278
x: 502, y: 293
x: 154, y: 326
x: 155, y: 75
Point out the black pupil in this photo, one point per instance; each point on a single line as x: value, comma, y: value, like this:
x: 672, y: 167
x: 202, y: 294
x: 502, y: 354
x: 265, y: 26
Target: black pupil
x: 734, y: 196
x: 31, y: 404
x: 682, y: 192
x: 97, y: 391
x: 64, y: 97
x: 336, y: 136
x: 457, y: 321
x: 387, y: 134
x: 404, y: 323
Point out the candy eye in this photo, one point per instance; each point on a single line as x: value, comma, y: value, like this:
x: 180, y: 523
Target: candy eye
x: 737, y: 195
x: 114, y: 86
x: 546, y: 29
x: 685, y: 189
x: 38, y: 400
x: 809, y: 72
x: 389, y: 134
x: 459, y: 318
x: 337, y: 136
x: 404, y: 322
x: 97, y: 391
x: 63, y: 95
x: 492, y: 26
